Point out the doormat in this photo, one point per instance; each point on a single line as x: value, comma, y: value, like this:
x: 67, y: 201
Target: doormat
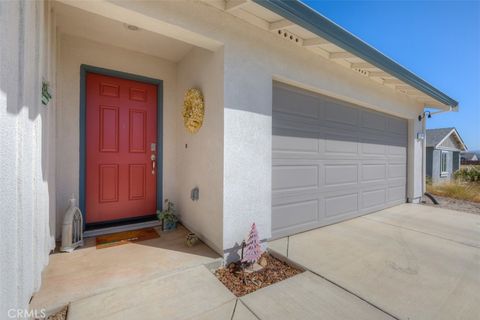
x: 119, y: 238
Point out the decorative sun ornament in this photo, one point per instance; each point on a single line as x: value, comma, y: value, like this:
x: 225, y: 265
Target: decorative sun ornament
x: 193, y: 110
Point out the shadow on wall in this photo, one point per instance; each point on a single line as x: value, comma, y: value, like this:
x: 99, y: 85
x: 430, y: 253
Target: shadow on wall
x: 24, y: 66
x: 302, y: 114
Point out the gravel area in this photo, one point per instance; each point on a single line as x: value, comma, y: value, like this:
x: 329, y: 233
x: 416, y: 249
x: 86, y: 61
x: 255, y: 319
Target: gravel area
x: 241, y: 283
x: 59, y: 315
x: 455, y: 204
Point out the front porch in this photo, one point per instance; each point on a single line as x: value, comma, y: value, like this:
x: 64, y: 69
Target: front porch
x: 123, y: 155
x: 89, y: 271
x: 136, y: 122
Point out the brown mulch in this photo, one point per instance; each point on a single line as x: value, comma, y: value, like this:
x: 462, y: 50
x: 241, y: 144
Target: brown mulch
x: 274, y: 271
x: 59, y: 315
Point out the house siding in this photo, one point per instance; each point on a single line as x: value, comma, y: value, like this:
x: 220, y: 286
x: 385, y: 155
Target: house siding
x: 429, y: 161
x: 449, y: 143
x: 456, y: 161
x: 437, y: 177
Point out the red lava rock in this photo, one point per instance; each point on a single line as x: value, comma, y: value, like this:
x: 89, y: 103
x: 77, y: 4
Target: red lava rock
x: 242, y: 283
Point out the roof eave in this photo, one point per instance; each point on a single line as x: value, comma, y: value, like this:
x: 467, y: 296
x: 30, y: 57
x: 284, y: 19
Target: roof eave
x: 304, y: 16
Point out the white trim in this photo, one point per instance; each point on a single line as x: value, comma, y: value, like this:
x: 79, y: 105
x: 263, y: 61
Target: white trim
x: 437, y: 146
x: 234, y: 4
x: 127, y: 227
x: 443, y: 173
x: 448, y: 149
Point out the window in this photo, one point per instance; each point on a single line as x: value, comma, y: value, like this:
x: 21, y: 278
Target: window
x: 443, y: 163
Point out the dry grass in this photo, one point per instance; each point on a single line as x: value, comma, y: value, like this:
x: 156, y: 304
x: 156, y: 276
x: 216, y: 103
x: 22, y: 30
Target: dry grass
x: 469, y: 191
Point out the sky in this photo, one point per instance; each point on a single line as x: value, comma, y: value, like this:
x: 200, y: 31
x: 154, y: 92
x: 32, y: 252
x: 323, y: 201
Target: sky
x: 437, y: 40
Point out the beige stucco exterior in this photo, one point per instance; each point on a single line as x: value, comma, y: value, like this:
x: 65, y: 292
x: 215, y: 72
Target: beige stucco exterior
x: 27, y: 144
x: 240, y: 116
x: 73, y: 52
x: 234, y: 63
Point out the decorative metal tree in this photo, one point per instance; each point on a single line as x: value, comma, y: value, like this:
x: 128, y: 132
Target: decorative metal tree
x: 253, y: 251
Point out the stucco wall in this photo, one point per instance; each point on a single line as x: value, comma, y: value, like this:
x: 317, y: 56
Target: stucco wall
x: 75, y: 51
x: 253, y: 59
x: 27, y: 145
x: 199, y: 157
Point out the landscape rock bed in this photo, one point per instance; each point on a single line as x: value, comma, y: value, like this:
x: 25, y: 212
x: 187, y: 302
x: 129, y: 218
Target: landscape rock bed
x: 455, y: 204
x: 241, y: 282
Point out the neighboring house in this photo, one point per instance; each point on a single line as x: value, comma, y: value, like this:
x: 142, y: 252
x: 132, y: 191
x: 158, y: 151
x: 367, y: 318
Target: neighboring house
x: 468, y: 156
x: 444, y: 146
x: 305, y: 124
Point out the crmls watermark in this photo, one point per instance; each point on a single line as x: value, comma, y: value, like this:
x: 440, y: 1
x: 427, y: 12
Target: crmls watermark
x: 26, y: 314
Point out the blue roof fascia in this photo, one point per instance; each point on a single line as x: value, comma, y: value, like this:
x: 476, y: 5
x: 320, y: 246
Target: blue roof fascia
x: 302, y: 15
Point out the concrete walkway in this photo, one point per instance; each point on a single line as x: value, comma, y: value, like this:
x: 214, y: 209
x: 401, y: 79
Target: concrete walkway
x: 412, y: 261
x: 196, y: 294
x: 406, y: 262
x: 307, y: 296
x: 88, y: 271
x: 189, y: 294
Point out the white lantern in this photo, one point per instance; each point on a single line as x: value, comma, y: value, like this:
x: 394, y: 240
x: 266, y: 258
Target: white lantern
x: 72, y: 229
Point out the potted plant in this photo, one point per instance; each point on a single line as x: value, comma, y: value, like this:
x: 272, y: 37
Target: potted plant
x: 167, y: 216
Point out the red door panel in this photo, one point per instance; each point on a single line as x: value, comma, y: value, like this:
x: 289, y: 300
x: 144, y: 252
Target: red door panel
x: 121, y: 126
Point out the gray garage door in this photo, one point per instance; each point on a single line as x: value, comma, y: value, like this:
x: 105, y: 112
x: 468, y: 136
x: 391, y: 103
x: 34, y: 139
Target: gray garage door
x: 332, y: 160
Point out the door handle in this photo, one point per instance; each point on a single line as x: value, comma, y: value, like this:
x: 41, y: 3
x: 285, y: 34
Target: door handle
x: 153, y: 163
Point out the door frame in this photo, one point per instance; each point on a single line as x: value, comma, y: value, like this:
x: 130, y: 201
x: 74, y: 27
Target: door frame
x: 84, y: 69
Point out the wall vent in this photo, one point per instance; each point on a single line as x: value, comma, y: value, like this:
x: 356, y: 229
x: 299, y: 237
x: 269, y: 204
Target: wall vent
x: 287, y: 35
x: 361, y: 71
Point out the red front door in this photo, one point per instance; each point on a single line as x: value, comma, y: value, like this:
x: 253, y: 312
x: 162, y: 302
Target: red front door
x: 121, y: 143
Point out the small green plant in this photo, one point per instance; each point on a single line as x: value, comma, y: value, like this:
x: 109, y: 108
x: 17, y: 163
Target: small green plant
x: 469, y: 173
x: 167, y: 216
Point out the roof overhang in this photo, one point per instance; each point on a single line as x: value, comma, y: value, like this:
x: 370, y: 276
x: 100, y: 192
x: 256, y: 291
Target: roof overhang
x: 305, y: 27
x: 457, y: 137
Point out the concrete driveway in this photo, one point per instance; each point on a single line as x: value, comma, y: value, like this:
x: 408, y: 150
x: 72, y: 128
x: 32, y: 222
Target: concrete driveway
x: 410, y: 261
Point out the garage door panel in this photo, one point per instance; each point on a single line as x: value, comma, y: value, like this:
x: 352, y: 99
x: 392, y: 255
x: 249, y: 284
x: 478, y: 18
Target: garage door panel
x: 399, y: 151
x: 292, y: 178
x: 294, y: 144
x: 341, y: 204
x: 335, y: 144
x: 342, y: 162
x: 373, y: 147
x: 297, y: 104
x: 373, y: 198
x: 295, y: 214
x: 286, y: 197
x: 340, y: 174
x: 342, y: 114
x: 397, y: 126
x: 373, y: 121
x: 374, y: 172
x: 396, y: 193
x: 298, y: 128
x: 397, y: 170
x: 395, y: 182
